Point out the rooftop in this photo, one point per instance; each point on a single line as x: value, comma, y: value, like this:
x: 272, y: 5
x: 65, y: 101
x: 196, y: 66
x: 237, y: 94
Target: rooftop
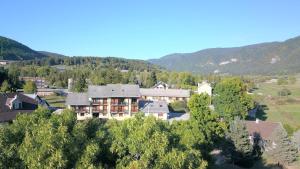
x: 165, y: 92
x: 153, y: 106
x: 264, y: 128
x: 114, y: 90
x: 77, y: 99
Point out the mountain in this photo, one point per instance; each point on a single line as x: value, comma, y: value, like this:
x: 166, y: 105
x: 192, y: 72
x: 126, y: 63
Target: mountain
x: 263, y: 58
x: 13, y: 50
x: 51, y: 54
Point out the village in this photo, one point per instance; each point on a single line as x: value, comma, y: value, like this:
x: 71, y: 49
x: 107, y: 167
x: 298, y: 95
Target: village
x: 123, y: 101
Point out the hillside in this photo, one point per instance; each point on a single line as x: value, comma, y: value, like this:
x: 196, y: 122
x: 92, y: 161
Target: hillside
x: 13, y: 50
x: 51, y: 54
x: 264, y: 58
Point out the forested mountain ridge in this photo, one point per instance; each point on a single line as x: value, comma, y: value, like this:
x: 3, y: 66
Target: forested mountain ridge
x: 263, y: 58
x: 13, y: 50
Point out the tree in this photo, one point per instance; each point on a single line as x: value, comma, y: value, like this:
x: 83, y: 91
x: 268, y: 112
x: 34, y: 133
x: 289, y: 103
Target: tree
x: 29, y: 87
x: 240, y: 147
x: 5, y: 87
x: 204, y: 120
x: 150, y: 145
x: 231, y: 99
x: 151, y: 80
x: 284, y: 150
x: 80, y: 84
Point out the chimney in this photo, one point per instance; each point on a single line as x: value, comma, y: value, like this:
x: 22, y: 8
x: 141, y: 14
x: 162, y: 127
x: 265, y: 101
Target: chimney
x: 257, y: 121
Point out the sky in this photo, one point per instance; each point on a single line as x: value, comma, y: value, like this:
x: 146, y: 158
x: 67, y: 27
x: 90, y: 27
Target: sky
x: 144, y: 29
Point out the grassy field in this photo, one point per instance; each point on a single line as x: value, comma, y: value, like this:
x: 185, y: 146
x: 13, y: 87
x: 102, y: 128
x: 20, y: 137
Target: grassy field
x: 282, y: 109
x: 56, y: 101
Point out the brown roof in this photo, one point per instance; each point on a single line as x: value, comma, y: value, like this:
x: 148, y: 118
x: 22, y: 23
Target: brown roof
x: 264, y: 128
x: 7, y: 114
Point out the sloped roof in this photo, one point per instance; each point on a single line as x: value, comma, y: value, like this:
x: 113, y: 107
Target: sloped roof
x: 77, y: 99
x: 7, y: 114
x: 264, y: 128
x: 153, y: 106
x: 165, y: 92
x: 114, y: 90
x: 160, y: 83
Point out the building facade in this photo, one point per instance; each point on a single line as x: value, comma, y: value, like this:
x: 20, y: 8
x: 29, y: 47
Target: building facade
x: 204, y: 88
x: 117, y: 101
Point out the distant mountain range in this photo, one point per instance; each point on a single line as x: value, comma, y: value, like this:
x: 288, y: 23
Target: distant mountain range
x: 263, y: 58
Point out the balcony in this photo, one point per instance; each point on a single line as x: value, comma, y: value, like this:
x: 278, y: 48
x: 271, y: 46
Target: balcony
x: 119, y: 103
x: 81, y: 111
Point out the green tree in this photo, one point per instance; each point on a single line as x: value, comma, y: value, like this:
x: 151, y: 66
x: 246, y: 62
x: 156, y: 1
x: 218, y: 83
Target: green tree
x: 5, y: 87
x: 231, y: 99
x: 206, y: 121
x: 241, y: 149
x: 284, y: 150
x: 80, y: 84
x: 149, y: 145
x: 151, y: 80
x: 29, y: 87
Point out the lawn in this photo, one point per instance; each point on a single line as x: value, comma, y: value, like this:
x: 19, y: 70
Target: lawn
x: 56, y: 101
x: 280, y: 109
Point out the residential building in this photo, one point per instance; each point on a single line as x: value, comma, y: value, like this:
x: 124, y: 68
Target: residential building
x: 3, y: 62
x: 40, y: 101
x: 168, y: 95
x: 117, y: 101
x: 13, y: 103
x: 161, y: 85
x: 263, y: 133
x: 158, y: 109
x: 40, y: 82
x: 204, y: 88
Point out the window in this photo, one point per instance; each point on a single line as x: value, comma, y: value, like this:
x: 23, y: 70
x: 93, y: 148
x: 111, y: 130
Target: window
x: 104, y: 101
x: 134, y: 109
x: 134, y: 101
x: 81, y: 114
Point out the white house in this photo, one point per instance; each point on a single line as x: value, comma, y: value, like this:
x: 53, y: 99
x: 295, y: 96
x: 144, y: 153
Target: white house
x: 204, y: 87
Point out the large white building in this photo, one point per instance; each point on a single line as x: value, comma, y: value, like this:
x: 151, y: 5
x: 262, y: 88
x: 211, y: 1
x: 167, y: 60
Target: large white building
x: 118, y: 101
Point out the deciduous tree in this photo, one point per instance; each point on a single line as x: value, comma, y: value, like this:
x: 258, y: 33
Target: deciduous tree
x: 231, y: 99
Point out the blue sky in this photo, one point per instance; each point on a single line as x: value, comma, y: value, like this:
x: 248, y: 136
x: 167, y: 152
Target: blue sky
x: 143, y: 29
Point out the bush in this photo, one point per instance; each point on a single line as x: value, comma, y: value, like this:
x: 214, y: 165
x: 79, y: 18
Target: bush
x: 282, y: 81
x: 178, y: 106
x: 289, y: 129
x: 284, y: 92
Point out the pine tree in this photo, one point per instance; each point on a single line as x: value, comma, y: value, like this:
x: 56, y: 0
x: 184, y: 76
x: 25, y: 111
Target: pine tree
x: 285, y: 151
x: 241, y: 148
